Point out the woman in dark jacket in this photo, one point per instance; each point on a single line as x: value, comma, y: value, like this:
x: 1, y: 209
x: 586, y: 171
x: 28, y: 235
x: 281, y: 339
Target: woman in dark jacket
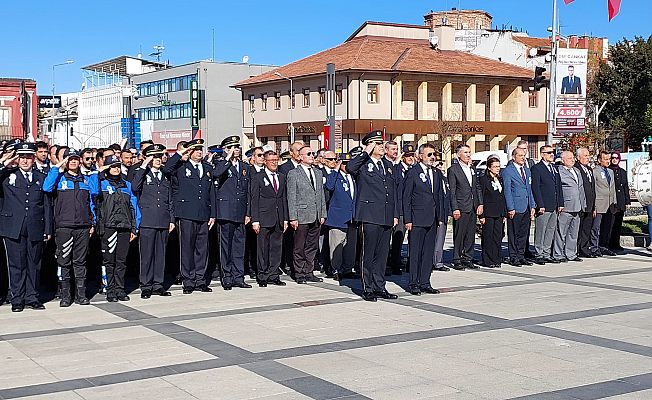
x: 493, y: 213
x: 622, y: 201
x: 118, y: 219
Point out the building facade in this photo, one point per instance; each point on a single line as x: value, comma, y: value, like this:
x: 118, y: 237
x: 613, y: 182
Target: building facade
x: 392, y: 77
x: 18, y: 109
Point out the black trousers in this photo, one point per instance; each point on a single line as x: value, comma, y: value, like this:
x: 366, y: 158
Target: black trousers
x: 616, y: 228
x: 422, y: 247
x: 605, y: 229
x: 463, y: 238
x: 398, y: 233
x: 492, y: 237
x: 115, y: 247
x: 232, y: 247
x: 72, y: 249
x: 24, y: 262
x: 375, y: 248
x: 152, y: 242
x: 193, y: 251
x: 251, y: 252
x: 584, y: 237
x: 518, y: 230
x: 269, y: 244
x: 287, y: 259
x: 306, y: 245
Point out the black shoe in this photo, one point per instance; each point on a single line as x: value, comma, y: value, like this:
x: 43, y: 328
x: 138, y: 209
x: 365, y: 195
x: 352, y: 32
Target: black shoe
x: 82, y: 301
x: 35, y: 305
x: 206, y: 289
x: 617, y: 248
x: 459, y: 267
x: 17, y: 307
x: 386, y: 295
x: 576, y: 259
x: 369, y: 296
x: 351, y: 275
x: 178, y: 280
x: 163, y: 293
x: 277, y: 282
x: 227, y: 287
x: 470, y: 265
x: 515, y: 263
x: 397, y: 272
x: 123, y: 297
x: 430, y: 290
x: 584, y: 255
x: 608, y: 252
x: 553, y: 260
x: 337, y: 277
x: 65, y: 303
x: 414, y: 290
x: 242, y: 285
x: 312, y: 278
x: 497, y: 265
x: 188, y: 290
x: 262, y: 284
x: 111, y: 299
x: 442, y: 268
x: 526, y: 262
x: 146, y: 294
x: 540, y: 261
x: 301, y: 281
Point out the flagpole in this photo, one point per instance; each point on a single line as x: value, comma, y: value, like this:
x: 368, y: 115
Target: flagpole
x: 553, y: 70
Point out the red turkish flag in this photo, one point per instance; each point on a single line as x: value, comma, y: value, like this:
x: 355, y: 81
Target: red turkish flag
x: 614, y: 8
x: 568, y: 1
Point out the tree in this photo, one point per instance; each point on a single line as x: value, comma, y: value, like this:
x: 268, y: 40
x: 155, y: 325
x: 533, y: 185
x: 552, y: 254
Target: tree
x: 625, y: 83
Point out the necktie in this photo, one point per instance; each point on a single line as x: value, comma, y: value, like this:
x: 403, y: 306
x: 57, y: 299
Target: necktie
x: 197, y: 169
x: 235, y: 165
x: 606, y: 175
x: 28, y: 177
x: 379, y: 165
x: 312, y: 180
x: 550, y: 169
x: 158, y: 175
x: 523, y: 174
x: 274, y: 183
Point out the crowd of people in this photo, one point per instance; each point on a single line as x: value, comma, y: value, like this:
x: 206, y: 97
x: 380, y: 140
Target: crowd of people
x: 215, y: 213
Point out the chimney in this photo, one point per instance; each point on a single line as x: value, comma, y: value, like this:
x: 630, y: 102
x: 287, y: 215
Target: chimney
x: 446, y: 35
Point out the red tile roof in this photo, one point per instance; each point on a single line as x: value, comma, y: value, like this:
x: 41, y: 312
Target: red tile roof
x: 532, y: 42
x: 383, y: 54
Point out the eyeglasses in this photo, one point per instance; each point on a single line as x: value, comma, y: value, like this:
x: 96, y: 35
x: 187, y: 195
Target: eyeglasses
x: 330, y: 158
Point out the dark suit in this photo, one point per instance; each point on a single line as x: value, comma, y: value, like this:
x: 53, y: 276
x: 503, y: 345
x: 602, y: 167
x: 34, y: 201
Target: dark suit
x: 375, y: 210
x: 192, y: 200
x: 493, y: 212
x: 547, y: 192
x: 398, y: 233
x: 287, y: 259
x: 464, y: 197
x: 342, y: 232
x: 518, y: 198
x: 155, y: 203
x: 25, y: 221
x: 423, y: 208
x: 571, y: 85
x: 622, y: 201
x: 438, y: 257
x: 586, y: 216
x: 269, y: 210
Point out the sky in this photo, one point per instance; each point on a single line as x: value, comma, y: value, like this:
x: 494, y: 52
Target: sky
x: 36, y: 36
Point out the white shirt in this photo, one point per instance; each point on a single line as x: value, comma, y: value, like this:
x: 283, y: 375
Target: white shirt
x: 258, y: 169
x: 349, y: 182
x: 428, y: 172
x: 198, y: 164
x: 468, y: 172
x: 271, y: 176
x: 309, y: 172
x: 157, y: 173
x: 572, y: 170
x: 28, y: 175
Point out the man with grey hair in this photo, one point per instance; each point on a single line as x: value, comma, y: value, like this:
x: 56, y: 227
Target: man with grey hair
x: 569, y: 217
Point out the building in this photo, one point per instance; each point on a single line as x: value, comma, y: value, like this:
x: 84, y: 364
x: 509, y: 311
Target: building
x: 65, y: 119
x: 18, y: 109
x: 165, y: 108
x: 393, y: 77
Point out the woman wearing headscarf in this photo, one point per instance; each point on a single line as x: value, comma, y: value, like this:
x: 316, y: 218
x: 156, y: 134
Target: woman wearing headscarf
x: 622, y: 201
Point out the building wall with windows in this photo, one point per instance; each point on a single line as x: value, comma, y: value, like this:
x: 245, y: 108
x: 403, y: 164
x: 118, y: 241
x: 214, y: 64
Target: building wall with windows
x: 11, y: 116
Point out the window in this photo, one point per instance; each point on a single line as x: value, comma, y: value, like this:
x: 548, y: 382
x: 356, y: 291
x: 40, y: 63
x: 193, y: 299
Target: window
x: 251, y: 102
x: 338, y: 94
x: 292, y: 96
x: 4, y: 117
x: 533, y: 99
x: 263, y: 105
x: 306, y: 97
x: 372, y: 93
x: 277, y: 100
x: 322, y: 96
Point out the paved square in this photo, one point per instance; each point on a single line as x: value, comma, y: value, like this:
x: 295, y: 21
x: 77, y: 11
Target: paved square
x: 570, y: 331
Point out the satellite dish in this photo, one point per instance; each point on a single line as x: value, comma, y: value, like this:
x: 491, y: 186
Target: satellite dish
x: 245, y: 59
x: 548, y: 58
x: 434, y: 41
x: 533, y: 52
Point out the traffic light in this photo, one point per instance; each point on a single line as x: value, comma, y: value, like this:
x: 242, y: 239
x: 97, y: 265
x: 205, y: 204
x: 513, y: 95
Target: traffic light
x: 539, y: 80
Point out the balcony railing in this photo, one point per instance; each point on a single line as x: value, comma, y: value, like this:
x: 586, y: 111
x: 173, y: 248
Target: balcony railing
x: 11, y: 132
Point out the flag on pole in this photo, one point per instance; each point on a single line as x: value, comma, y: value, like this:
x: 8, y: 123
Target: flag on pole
x: 568, y: 1
x: 614, y: 8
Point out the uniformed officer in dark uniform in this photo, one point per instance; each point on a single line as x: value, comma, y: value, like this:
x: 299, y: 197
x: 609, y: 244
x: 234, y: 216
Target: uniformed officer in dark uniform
x: 7, y: 153
x: 376, y: 212
x: 214, y: 154
x: 231, y: 196
x: 154, y: 192
x: 25, y: 223
x: 398, y: 233
x: 194, y: 211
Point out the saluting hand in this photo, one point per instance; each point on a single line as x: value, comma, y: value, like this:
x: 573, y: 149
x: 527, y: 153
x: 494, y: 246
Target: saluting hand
x: 370, y: 148
x: 12, y: 159
x: 147, y: 161
x: 229, y: 153
x: 63, y: 165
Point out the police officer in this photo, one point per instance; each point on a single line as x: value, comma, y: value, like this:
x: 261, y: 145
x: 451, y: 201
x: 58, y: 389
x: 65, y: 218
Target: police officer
x: 376, y: 212
x: 398, y: 233
x: 25, y: 222
x: 154, y: 193
x: 192, y: 198
x: 231, y: 195
x: 74, y: 217
x: 118, y: 222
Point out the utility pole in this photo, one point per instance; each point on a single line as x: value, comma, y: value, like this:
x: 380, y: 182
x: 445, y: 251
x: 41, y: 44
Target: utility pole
x: 553, y: 74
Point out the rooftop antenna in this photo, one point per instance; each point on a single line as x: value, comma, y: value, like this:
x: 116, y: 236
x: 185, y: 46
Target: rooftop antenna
x: 158, y: 51
x: 140, y: 51
x: 213, y: 48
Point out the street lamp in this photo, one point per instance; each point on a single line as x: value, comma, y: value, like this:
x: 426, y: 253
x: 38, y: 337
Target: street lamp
x: 291, y: 104
x: 53, y: 85
x: 253, y: 123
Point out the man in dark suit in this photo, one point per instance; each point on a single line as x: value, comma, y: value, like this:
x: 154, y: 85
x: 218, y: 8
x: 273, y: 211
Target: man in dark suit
x: 269, y: 216
x: 194, y: 211
x: 398, y: 233
x: 571, y: 84
x: 154, y: 193
x: 422, y: 212
x: 520, y: 206
x: 376, y: 212
x: 605, y: 205
x: 438, y: 259
x: 549, y: 199
x: 588, y: 213
x: 529, y: 163
x: 231, y: 195
x: 306, y: 212
x: 287, y: 260
x: 464, y: 203
x: 25, y: 223
x: 256, y: 165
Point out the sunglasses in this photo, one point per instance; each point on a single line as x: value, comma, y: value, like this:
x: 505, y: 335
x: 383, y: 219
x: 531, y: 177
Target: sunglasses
x: 330, y: 158
x: 615, y: 158
x: 548, y: 152
x: 237, y: 146
x: 310, y: 153
x: 430, y: 154
x: 258, y: 155
x: 89, y: 158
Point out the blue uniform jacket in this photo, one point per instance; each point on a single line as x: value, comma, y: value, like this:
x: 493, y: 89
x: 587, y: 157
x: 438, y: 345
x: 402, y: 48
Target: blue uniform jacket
x: 342, y: 205
x: 72, y: 208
